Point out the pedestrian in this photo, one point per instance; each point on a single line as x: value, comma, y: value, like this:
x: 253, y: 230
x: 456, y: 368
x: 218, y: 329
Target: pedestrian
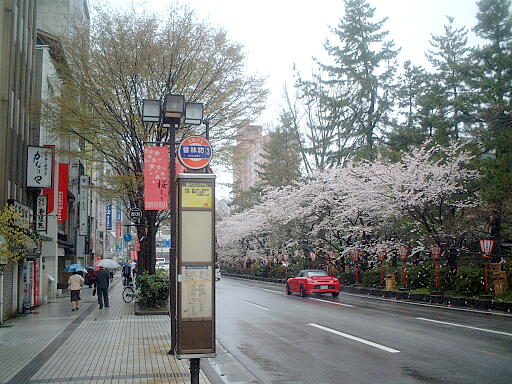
x: 75, y: 283
x: 102, y: 283
x: 127, y: 275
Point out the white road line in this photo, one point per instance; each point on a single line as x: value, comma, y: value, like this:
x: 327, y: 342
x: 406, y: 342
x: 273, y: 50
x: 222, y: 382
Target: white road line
x: 270, y: 290
x: 427, y: 305
x: 465, y: 326
x: 256, y: 305
x: 332, y: 302
x: 243, y: 285
x: 371, y: 343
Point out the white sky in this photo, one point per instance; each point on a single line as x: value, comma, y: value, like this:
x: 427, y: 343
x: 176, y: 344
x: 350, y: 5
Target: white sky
x: 277, y: 34
x: 280, y: 33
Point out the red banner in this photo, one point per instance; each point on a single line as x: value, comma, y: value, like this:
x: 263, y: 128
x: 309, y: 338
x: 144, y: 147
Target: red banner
x: 50, y: 191
x: 62, y: 199
x: 119, y: 230
x: 156, y: 178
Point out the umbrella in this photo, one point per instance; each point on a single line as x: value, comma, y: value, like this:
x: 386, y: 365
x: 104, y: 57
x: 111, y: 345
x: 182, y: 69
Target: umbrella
x: 108, y: 263
x: 74, y: 268
x: 133, y: 263
x: 123, y: 263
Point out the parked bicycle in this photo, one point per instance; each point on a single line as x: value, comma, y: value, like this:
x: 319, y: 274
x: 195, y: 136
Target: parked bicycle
x: 129, y: 292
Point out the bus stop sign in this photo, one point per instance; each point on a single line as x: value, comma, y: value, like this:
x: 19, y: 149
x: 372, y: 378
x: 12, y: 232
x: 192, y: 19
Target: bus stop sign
x: 195, y: 152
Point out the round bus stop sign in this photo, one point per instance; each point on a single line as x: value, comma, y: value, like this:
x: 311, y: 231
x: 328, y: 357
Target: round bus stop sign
x: 195, y: 152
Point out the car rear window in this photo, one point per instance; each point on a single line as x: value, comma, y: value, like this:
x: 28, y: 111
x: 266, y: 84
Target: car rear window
x: 317, y: 273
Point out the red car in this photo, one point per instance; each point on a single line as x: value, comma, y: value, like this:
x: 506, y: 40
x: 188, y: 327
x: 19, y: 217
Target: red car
x: 313, y: 281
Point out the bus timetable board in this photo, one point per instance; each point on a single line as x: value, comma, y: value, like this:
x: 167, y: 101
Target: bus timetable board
x: 196, y: 266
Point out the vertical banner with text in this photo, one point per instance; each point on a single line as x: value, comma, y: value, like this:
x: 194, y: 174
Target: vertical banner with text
x: 62, y: 199
x: 101, y: 217
x: 83, y: 223
x: 156, y: 178
x: 108, y: 216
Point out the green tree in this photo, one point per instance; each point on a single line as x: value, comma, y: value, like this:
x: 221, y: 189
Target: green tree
x: 407, y: 130
x: 130, y: 56
x: 492, y: 81
x: 280, y: 164
x: 363, y: 68
x: 449, y: 57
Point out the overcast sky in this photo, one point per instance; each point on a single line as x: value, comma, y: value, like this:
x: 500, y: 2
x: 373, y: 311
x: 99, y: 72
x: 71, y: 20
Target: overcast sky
x: 280, y: 33
x: 277, y: 34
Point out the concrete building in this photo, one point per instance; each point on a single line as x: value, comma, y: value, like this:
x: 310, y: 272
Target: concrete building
x: 17, y: 42
x: 30, y: 51
x: 247, y: 156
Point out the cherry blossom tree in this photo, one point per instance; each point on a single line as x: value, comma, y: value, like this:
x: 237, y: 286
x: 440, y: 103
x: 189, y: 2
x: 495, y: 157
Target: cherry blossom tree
x: 367, y: 206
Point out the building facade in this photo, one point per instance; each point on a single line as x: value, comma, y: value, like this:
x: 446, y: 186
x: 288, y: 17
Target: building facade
x: 30, y: 56
x: 248, y: 156
x: 17, y: 81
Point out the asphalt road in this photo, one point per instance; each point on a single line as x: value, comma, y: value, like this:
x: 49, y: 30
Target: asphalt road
x: 275, y: 338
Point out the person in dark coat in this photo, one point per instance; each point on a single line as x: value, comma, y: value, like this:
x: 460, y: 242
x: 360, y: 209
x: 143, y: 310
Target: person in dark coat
x: 102, y: 283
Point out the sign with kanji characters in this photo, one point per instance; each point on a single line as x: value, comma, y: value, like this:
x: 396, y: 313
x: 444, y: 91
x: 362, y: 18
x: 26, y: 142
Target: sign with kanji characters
x: 196, y: 194
x: 83, y: 199
x: 39, y: 167
x: 156, y: 178
x: 195, y: 152
x: 62, y: 197
x: 108, y: 216
x: 101, y: 227
x: 41, y: 213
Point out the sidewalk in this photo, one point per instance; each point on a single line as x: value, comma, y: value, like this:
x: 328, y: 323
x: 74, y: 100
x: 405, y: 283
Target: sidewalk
x: 110, y: 345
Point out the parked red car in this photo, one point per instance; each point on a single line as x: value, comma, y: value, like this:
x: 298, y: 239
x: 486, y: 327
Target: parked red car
x: 313, y: 281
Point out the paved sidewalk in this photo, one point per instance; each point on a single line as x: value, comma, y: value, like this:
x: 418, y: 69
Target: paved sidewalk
x: 110, y: 345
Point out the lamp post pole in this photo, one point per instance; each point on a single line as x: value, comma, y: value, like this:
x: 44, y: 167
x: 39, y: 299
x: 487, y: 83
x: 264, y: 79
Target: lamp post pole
x: 172, y: 249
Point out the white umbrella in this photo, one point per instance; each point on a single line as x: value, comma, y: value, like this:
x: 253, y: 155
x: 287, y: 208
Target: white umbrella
x: 108, y: 263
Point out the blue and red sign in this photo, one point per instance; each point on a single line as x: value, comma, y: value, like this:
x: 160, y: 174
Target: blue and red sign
x: 195, y: 152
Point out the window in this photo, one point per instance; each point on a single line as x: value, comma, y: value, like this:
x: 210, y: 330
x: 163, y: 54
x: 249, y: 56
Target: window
x: 317, y: 273
x: 8, y: 189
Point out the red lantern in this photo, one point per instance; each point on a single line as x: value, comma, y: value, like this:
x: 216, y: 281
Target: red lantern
x: 486, y: 246
x: 403, y: 251
x: 435, y: 250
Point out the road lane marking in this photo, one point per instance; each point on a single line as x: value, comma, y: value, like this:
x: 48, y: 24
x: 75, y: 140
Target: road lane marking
x: 465, y: 326
x: 332, y: 302
x: 257, y: 305
x: 243, y: 285
x: 271, y: 290
x: 367, y: 342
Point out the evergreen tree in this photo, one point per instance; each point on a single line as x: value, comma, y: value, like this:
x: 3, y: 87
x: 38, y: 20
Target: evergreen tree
x: 449, y: 57
x: 408, y: 130
x: 280, y: 165
x: 364, y: 64
x: 492, y: 79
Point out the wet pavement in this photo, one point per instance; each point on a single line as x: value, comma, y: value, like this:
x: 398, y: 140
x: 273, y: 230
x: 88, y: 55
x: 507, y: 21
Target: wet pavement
x: 276, y: 338
x: 111, y: 345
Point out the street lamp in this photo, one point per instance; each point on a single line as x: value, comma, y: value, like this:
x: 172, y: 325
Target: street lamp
x: 174, y: 112
x: 403, y: 251
x: 435, y: 250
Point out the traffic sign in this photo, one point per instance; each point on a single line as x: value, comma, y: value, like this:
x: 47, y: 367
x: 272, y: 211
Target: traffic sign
x: 135, y: 214
x: 127, y: 237
x: 195, y: 152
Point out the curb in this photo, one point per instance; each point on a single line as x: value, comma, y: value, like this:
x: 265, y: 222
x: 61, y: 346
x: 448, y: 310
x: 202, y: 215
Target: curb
x: 210, y: 372
x: 483, y: 304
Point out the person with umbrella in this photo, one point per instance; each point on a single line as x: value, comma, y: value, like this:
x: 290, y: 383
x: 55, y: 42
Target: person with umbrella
x: 102, y: 283
x: 75, y: 283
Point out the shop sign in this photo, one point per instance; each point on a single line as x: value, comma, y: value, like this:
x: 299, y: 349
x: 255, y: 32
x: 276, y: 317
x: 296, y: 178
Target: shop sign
x: 39, y: 167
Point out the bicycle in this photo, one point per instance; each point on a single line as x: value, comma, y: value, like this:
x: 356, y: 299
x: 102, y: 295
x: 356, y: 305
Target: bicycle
x: 128, y: 293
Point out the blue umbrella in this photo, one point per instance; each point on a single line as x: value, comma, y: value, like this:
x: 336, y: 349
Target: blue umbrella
x: 74, y: 268
x: 123, y: 263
